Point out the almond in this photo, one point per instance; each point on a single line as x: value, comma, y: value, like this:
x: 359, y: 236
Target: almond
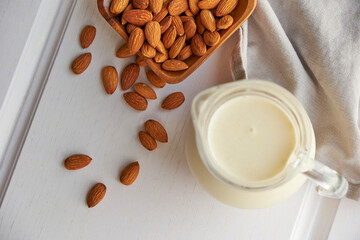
x: 193, y: 6
x: 130, y: 27
x: 198, y: 46
x: 130, y: 173
x: 156, y: 130
x: 156, y: 5
x: 161, y: 48
x: 211, y: 38
x: 185, y: 53
x: 141, y: 61
x: 189, y: 29
x: 110, y: 79
x: 138, y: 16
x: 124, y: 51
x: 225, y: 22
x: 147, y: 50
x: 176, y: 7
x: 154, y: 79
x: 135, y: 101
x: 174, y: 65
x: 129, y: 7
x: 173, y: 101
x: 77, y: 161
x: 161, y: 57
x: 145, y: 91
x: 177, y: 46
x: 189, y: 13
x: 147, y: 141
x: 96, y: 194
x: 141, y: 4
x: 136, y: 40
x: 187, y: 18
x: 158, y: 17
x: 199, y: 26
x: 225, y: 7
x: 165, y: 24
x: 129, y: 75
x: 87, y: 36
x: 153, y: 33
x: 81, y: 63
x: 208, y: 20
x: 176, y: 21
x: 208, y: 4
x: 169, y: 37
x: 117, y: 6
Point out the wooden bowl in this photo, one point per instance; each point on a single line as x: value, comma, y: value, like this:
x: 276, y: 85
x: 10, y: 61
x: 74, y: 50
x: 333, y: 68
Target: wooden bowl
x: 240, y: 14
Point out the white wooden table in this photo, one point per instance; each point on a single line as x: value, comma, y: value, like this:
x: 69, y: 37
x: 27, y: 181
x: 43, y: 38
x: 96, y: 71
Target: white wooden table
x: 48, y: 113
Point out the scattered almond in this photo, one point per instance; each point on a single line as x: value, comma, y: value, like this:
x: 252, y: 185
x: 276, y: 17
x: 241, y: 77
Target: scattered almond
x: 154, y: 79
x: 138, y: 16
x: 147, y: 141
x: 225, y: 7
x: 147, y: 50
x: 173, y: 101
x: 189, y: 29
x: 81, y: 63
x: 110, y: 79
x: 130, y: 27
x: 185, y: 53
x: 77, y: 161
x: 208, y: 4
x: 158, y: 17
x: 169, y: 37
x: 145, y: 91
x: 140, y: 61
x: 153, y: 33
x: 96, y: 194
x: 211, y: 38
x: 161, y: 57
x: 135, y: 101
x: 161, y: 48
x: 117, y: 6
x: 176, y: 7
x: 124, y: 51
x: 176, y: 21
x: 129, y: 7
x: 199, y: 26
x: 136, y: 40
x: 129, y: 75
x: 177, y: 46
x: 130, y: 173
x: 156, y: 130
x: 165, y: 24
x: 156, y: 5
x: 208, y: 20
x: 198, y: 46
x: 225, y: 22
x: 193, y: 5
x: 174, y: 65
x: 141, y: 4
x: 189, y: 13
x: 87, y: 36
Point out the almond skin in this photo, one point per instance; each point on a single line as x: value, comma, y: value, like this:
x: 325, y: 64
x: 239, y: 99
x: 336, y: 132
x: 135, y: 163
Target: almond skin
x: 176, y: 7
x: 161, y: 48
x: 117, y: 6
x: 161, y: 57
x: 154, y: 79
x: 138, y: 16
x: 177, y: 46
x: 225, y: 7
x: 156, y: 5
x: 87, y: 36
x: 199, y: 26
x: 141, y: 4
x: 169, y: 37
x: 189, y: 29
x: 96, y: 194
x: 124, y: 51
x: 185, y: 53
x: 174, y: 65
x: 147, y: 50
x: 81, y: 63
x: 158, y: 17
x: 153, y: 33
x: 110, y: 79
x: 173, y: 101
x: 130, y: 173
x: 176, y: 21
x: 145, y: 91
x: 77, y: 161
x: 198, y: 45
x: 140, y: 61
x: 208, y: 20
x: 156, y: 130
x: 165, y: 24
x: 129, y: 75
x: 189, y: 13
x: 136, y: 40
x: 193, y: 6
x: 208, y: 4
x: 135, y: 101
x: 147, y: 141
x: 225, y: 22
x: 211, y: 38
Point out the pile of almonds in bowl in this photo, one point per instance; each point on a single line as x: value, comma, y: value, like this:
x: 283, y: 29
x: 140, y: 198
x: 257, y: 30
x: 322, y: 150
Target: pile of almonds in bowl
x: 171, y: 32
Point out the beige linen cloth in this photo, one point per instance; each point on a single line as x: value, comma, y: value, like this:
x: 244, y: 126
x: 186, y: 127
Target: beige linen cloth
x: 312, y: 48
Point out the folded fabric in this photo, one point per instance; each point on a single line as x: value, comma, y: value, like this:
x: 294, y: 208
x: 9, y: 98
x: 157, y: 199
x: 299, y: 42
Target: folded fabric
x: 312, y: 48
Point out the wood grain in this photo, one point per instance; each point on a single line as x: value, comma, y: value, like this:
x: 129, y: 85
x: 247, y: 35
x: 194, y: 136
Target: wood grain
x: 240, y: 14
